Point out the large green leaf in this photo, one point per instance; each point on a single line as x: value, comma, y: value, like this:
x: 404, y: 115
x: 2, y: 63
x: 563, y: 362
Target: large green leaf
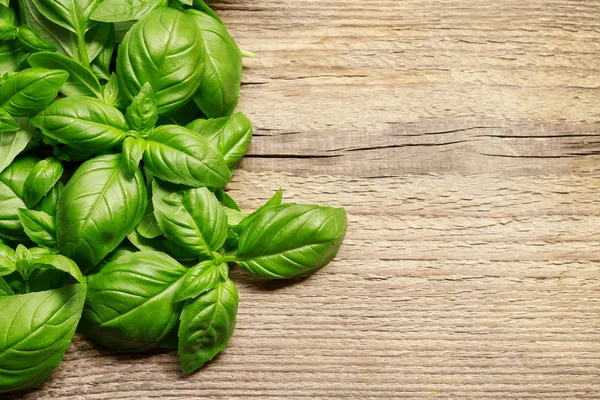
x: 35, y: 331
x: 192, y: 218
x: 99, y: 207
x: 81, y: 81
x: 231, y: 135
x: 163, y: 48
x: 14, y: 142
x: 178, y: 155
x: 125, y: 10
x: 83, y: 123
x: 73, y: 15
x: 291, y: 240
x: 207, y: 324
x: 219, y: 91
x: 130, y: 304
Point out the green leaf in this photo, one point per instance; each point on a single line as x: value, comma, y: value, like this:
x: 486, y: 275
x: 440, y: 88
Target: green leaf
x: 131, y: 302
x: 7, y: 123
x: 161, y: 244
x: 101, y: 64
x: 98, y: 38
x: 70, y: 14
x: 5, y: 289
x: 291, y: 240
x: 11, y: 56
x: 81, y: 82
x: 125, y: 10
x: 61, y: 38
x: 99, y: 207
x: 231, y: 136
x: 142, y: 114
x: 9, y: 15
x: 133, y: 151
x: 201, y: 6
x: 7, y: 30
x: 165, y: 49
x: 7, y: 260
x: 192, y: 218
x: 35, y: 331
x: 83, y: 123
x: 219, y: 91
x: 12, y: 181
x: 207, y: 324
x: 110, y: 92
x: 148, y: 227
x: 17, y: 172
x: 199, y: 279
x: 275, y: 200
x: 28, y: 92
x: 39, y: 227
x: 42, y: 178
x: 32, y: 41
x: 225, y: 199
x: 13, y: 143
x: 49, y: 203
x: 23, y: 260
x: 178, y: 155
x: 60, y: 263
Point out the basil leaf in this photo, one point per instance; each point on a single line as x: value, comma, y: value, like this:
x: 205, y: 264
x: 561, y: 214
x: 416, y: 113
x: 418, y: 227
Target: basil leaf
x: 17, y: 172
x: 49, y: 203
x: 7, y: 123
x: 81, y: 82
x: 7, y: 30
x: 60, y: 263
x: 101, y: 64
x: 83, y: 123
x: 161, y: 244
x: 110, y: 92
x: 130, y: 304
x: 148, y: 227
x: 275, y: 200
x: 199, y: 279
x: 62, y: 39
x: 42, y: 178
x: 192, y: 218
x: 231, y: 136
x: 133, y: 151
x: 97, y: 38
x: 142, y: 114
x: 28, y: 92
x: 201, y: 6
x: 207, y: 324
x: 125, y: 10
x: 11, y: 56
x: 165, y: 49
x: 178, y: 155
x: 9, y: 15
x: 13, y: 143
x: 35, y: 331
x: 32, y: 41
x: 291, y: 240
x: 7, y: 260
x: 219, y: 91
x: 39, y: 227
x: 70, y: 14
x: 225, y: 199
x: 99, y: 207
x: 5, y: 289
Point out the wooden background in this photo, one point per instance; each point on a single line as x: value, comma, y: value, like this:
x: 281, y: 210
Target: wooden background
x: 463, y: 139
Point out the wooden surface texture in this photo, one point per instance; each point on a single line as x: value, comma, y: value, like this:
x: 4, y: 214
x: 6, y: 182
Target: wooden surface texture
x: 462, y: 137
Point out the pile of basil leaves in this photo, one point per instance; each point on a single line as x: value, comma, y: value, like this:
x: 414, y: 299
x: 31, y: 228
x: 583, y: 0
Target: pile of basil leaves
x: 117, y: 137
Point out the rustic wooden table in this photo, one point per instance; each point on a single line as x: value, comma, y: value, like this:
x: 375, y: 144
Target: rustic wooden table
x: 462, y: 138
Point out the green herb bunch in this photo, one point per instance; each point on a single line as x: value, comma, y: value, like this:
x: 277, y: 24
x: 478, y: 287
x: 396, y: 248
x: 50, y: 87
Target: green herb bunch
x: 132, y: 245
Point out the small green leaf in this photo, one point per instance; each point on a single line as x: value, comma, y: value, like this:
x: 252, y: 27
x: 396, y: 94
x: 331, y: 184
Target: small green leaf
x: 199, y: 279
x: 13, y: 143
x: 42, y: 178
x: 23, y: 260
x: 142, y: 114
x: 148, y: 227
x: 7, y: 123
x: 192, y: 218
x: 7, y: 30
x: 110, y: 92
x: 61, y: 263
x: 32, y: 41
x: 207, y: 324
x: 225, y: 199
x: 133, y: 151
x: 49, y: 203
x: 7, y: 260
x: 39, y: 226
x: 81, y: 82
x: 5, y: 289
x: 275, y: 200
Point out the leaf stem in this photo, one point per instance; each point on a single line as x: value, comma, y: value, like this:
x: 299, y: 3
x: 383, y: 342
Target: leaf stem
x: 82, y: 51
x: 229, y: 259
x: 27, y: 286
x: 247, y: 54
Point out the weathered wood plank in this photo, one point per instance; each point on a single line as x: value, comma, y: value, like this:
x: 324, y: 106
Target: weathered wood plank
x: 447, y: 287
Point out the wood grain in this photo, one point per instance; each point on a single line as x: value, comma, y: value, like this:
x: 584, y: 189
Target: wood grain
x: 462, y: 138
